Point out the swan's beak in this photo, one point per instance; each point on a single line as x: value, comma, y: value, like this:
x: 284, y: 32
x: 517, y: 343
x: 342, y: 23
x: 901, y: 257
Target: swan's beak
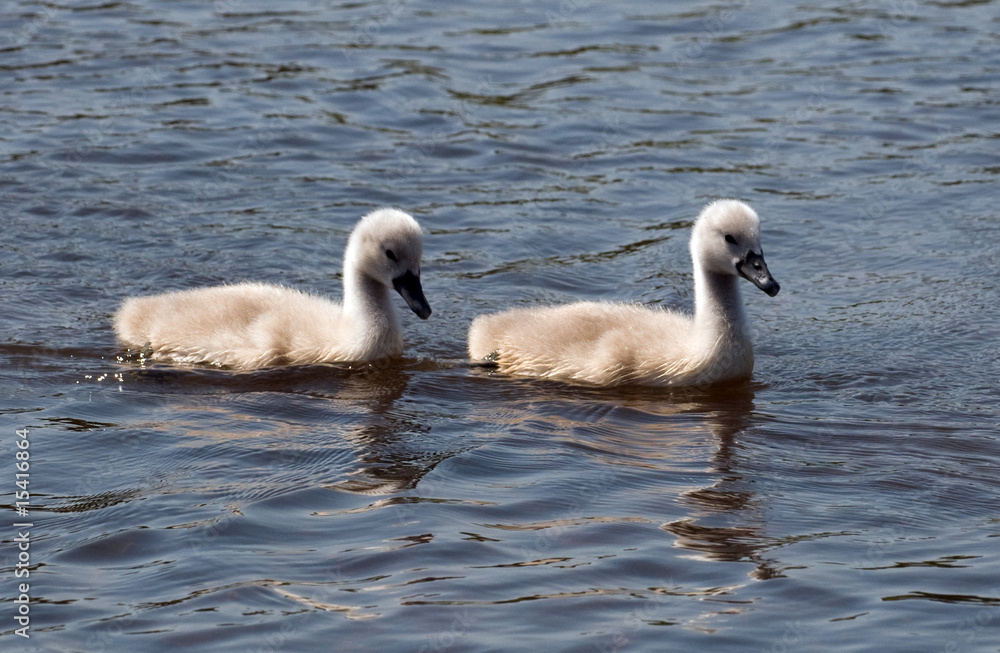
x: 754, y: 269
x: 408, y: 287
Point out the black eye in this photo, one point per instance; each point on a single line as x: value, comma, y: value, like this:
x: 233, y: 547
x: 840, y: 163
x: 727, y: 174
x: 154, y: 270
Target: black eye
x: 730, y: 239
x: 390, y: 254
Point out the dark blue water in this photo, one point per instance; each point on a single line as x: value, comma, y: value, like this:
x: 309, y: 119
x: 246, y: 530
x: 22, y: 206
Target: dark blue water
x: 846, y: 499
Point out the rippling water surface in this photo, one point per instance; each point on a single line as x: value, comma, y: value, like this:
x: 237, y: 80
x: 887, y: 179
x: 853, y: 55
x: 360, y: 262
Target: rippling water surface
x: 552, y: 152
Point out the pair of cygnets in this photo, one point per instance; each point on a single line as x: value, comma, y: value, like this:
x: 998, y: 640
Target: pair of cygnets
x: 253, y: 325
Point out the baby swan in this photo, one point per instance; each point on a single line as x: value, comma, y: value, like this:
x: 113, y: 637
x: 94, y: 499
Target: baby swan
x: 251, y: 325
x: 620, y: 344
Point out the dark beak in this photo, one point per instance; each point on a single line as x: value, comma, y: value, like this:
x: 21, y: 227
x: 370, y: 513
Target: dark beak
x: 754, y: 269
x: 408, y: 287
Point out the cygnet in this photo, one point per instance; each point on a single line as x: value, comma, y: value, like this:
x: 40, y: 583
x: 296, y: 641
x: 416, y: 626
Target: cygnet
x: 251, y: 325
x: 621, y: 344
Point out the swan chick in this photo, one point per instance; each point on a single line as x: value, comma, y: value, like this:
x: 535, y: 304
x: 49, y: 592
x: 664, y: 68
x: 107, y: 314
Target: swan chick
x: 613, y: 344
x: 251, y: 325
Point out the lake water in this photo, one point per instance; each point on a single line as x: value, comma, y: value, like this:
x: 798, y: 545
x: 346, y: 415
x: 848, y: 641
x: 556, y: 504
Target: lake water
x: 846, y: 499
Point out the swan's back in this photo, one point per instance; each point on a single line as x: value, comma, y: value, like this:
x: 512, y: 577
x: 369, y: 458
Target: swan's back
x: 590, y: 342
x: 245, y: 325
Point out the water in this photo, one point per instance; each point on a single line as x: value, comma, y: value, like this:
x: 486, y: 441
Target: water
x: 553, y: 152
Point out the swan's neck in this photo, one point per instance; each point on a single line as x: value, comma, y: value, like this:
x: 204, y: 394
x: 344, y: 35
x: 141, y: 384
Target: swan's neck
x: 718, y: 313
x: 368, y: 303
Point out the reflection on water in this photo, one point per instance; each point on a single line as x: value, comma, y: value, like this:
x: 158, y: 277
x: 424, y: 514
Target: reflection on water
x: 727, y: 500
x: 386, y: 443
